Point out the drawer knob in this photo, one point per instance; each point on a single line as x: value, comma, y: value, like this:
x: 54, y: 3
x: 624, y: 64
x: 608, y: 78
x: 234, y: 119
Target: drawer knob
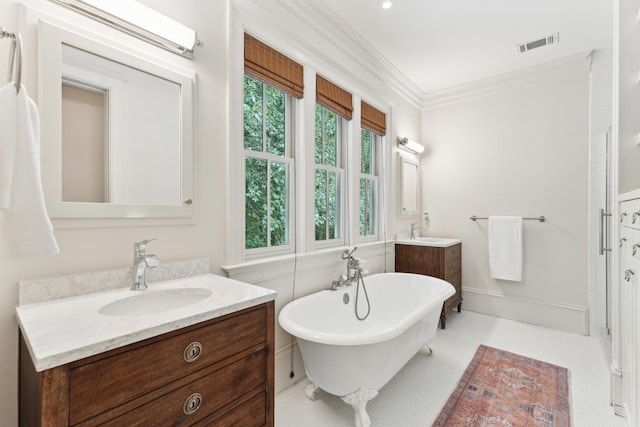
x: 192, y: 352
x: 192, y: 404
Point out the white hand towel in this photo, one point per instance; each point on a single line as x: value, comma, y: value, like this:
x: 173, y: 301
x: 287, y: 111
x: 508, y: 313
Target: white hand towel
x: 7, y: 144
x: 505, y: 247
x: 25, y: 228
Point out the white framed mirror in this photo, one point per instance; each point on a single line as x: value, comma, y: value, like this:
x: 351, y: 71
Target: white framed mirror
x: 408, y: 183
x: 117, y: 129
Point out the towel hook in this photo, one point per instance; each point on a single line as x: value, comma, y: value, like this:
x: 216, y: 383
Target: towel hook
x: 15, y: 62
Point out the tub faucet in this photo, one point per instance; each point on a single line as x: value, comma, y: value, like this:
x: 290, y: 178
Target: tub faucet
x: 414, y: 228
x: 140, y: 263
x: 353, y: 264
x: 342, y: 281
x: 353, y: 270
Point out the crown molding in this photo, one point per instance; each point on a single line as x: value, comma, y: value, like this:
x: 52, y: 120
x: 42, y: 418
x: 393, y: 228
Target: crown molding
x: 324, y: 20
x: 525, y: 77
x: 318, y: 17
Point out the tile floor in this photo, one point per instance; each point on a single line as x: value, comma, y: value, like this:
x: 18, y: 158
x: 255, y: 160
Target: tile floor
x: 414, y: 397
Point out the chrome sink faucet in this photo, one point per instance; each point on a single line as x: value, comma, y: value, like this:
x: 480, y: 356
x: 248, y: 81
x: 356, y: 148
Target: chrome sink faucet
x: 140, y: 263
x: 414, y: 228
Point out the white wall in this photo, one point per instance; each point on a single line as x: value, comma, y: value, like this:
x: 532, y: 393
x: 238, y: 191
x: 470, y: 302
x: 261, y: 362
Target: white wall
x: 309, y: 39
x: 516, y: 145
x: 99, y: 248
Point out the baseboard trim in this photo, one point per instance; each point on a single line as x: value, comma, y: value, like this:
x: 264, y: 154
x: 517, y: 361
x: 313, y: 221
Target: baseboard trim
x: 283, y: 367
x: 565, y: 317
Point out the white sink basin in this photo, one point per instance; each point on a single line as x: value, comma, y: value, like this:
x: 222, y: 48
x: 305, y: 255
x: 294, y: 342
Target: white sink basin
x: 430, y: 241
x: 151, y: 301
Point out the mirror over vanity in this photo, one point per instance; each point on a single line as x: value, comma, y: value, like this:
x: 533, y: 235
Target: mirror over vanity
x: 117, y: 129
x: 408, y: 182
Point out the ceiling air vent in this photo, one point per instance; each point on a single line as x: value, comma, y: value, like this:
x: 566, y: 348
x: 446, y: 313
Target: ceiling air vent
x: 534, y: 44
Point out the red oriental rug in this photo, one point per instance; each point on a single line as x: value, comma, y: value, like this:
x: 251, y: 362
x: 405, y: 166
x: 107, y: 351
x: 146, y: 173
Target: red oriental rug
x: 503, y: 389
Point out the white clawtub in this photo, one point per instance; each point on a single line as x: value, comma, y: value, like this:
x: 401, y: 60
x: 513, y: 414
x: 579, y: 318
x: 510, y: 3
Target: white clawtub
x: 352, y: 358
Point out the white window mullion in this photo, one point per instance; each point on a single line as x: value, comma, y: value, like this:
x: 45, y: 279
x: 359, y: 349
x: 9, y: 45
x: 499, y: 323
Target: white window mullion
x: 268, y: 203
x: 264, y: 118
x: 326, y: 202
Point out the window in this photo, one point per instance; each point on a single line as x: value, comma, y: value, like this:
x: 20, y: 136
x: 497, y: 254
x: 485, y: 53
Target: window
x: 340, y: 170
x: 268, y: 165
x: 373, y: 128
x: 271, y: 82
x: 329, y: 175
x: 369, y: 143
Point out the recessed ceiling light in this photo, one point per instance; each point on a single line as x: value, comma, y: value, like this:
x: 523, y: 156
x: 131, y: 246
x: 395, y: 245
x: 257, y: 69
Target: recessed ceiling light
x: 386, y: 4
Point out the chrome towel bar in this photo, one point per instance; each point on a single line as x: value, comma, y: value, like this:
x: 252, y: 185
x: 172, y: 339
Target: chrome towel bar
x: 540, y: 218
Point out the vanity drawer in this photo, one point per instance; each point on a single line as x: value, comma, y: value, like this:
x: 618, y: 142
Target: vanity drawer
x: 453, y: 261
x: 453, y: 253
x: 249, y: 414
x: 99, y: 385
x: 452, y: 269
x: 203, y: 397
x: 456, y: 282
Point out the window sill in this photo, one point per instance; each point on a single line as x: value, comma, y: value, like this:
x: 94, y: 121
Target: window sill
x: 260, y: 270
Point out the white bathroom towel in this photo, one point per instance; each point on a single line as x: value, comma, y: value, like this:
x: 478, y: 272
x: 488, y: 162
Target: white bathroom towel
x: 25, y: 228
x: 505, y: 247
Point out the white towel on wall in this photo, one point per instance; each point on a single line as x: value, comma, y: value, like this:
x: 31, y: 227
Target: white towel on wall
x: 505, y: 247
x: 25, y: 228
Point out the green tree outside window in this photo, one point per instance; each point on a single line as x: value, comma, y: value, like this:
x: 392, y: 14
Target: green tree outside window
x: 327, y: 175
x: 368, y: 182
x: 267, y: 188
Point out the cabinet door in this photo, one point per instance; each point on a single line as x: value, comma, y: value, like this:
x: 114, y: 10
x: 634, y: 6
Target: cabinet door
x: 629, y: 327
x: 631, y: 281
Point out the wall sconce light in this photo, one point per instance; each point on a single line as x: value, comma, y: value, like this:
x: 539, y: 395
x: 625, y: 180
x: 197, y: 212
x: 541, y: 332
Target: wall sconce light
x: 140, y: 21
x: 410, y: 146
x: 386, y: 4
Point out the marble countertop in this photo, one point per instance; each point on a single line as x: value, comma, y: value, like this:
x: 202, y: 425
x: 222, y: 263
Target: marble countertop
x: 68, y: 329
x: 438, y: 242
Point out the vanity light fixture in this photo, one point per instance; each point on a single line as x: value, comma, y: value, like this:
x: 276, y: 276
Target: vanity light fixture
x: 410, y: 146
x: 140, y: 21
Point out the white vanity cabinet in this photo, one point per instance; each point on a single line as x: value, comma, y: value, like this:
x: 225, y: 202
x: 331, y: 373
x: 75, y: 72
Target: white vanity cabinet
x: 629, y: 298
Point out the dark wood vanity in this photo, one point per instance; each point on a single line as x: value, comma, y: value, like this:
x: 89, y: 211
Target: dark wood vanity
x: 441, y: 262
x: 216, y: 373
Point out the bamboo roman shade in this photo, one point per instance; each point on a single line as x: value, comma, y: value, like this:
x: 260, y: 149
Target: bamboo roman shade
x: 373, y: 119
x: 333, y: 97
x: 269, y: 65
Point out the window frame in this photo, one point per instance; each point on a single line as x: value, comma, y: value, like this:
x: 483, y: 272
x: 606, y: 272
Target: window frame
x: 288, y: 158
x: 377, y: 166
x: 300, y: 131
x: 341, y: 170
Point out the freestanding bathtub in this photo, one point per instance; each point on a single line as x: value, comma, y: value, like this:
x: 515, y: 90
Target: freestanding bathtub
x: 352, y: 358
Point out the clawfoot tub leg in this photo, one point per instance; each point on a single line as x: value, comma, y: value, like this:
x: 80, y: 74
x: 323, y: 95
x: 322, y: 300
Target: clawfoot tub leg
x: 358, y: 399
x: 426, y: 349
x: 310, y: 391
